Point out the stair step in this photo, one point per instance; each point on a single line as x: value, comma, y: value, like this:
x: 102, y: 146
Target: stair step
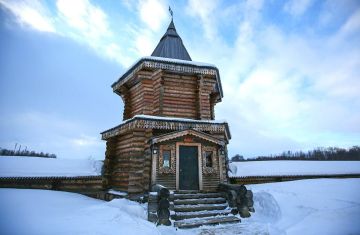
x: 192, y: 223
x: 196, y: 195
x: 200, y: 207
x: 199, y: 201
x: 186, y: 192
x: 199, y: 214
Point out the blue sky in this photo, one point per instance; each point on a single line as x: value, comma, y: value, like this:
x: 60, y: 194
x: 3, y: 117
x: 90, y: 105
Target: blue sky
x: 290, y: 69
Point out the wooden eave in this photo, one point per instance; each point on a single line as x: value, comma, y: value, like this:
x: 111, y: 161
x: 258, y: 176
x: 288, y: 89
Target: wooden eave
x: 178, y: 134
x: 170, y: 65
x: 166, y: 124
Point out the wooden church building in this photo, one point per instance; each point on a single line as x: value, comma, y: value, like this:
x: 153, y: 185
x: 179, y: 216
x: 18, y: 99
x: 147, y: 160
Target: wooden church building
x: 169, y: 134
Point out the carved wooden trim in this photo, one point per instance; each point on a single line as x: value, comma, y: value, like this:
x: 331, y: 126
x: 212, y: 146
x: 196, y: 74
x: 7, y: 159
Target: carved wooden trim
x: 215, y: 164
x: 221, y: 165
x: 166, y: 66
x: 167, y: 170
x: 170, y: 136
x: 165, y: 125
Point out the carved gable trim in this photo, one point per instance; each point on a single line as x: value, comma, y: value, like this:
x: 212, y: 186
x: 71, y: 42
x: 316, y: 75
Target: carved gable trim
x: 144, y: 123
x: 178, y: 134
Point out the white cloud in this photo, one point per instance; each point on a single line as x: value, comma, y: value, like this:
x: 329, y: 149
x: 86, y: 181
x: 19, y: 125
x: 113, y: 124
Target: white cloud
x: 351, y: 26
x: 89, y: 24
x: 282, y: 90
x: 51, y: 133
x: 205, y: 12
x: 297, y: 7
x: 153, y: 13
x: 286, y: 91
x: 86, y: 141
x: 89, y: 20
x: 31, y: 13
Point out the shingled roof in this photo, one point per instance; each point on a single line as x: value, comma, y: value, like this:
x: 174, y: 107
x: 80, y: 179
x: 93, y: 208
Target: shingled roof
x: 171, y: 45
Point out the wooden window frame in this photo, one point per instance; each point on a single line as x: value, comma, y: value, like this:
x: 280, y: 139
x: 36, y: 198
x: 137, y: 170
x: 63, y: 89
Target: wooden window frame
x: 171, y: 169
x: 215, y: 163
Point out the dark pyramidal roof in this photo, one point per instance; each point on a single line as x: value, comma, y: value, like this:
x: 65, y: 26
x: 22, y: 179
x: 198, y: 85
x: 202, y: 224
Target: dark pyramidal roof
x: 171, y: 45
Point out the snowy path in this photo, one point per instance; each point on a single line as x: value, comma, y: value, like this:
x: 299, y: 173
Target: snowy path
x: 320, y: 206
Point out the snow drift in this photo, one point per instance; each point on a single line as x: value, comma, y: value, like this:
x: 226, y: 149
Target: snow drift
x: 319, y: 206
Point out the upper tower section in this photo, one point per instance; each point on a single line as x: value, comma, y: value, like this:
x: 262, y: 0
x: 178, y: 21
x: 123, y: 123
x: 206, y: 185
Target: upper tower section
x: 171, y: 45
x: 169, y: 84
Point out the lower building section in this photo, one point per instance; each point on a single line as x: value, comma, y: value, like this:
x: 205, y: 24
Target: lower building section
x: 186, y: 159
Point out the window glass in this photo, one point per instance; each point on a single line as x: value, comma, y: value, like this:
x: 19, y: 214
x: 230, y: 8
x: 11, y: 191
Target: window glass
x: 166, y: 158
x: 208, y: 158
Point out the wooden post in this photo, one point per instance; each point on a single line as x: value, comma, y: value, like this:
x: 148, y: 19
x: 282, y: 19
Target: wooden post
x: 154, y: 164
x: 162, y: 197
x: 125, y: 95
x: 161, y: 97
x: 198, y: 97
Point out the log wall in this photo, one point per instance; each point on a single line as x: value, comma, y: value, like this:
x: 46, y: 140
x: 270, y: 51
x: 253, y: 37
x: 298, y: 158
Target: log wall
x: 88, y: 185
x: 163, y: 93
x: 129, y: 161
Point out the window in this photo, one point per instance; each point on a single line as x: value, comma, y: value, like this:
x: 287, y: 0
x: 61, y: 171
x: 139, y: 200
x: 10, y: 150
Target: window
x: 208, y: 159
x: 166, y: 158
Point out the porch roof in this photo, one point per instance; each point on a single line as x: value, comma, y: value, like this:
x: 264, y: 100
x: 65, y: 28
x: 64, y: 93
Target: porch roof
x: 177, y: 134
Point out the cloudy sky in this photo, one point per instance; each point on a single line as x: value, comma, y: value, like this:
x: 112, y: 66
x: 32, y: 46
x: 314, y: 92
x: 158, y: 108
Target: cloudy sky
x: 290, y: 69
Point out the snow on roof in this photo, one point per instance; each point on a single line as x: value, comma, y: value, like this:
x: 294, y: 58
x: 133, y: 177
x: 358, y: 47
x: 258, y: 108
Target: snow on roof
x: 292, y: 168
x: 159, y: 118
x: 166, y: 60
x: 176, y: 119
x: 178, y: 61
x: 15, y: 166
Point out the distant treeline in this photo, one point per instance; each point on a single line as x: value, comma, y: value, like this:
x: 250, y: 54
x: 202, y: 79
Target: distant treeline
x: 25, y: 153
x: 318, y: 154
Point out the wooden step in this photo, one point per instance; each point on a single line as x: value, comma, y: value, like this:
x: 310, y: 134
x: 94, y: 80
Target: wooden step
x: 198, y: 214
x: 196, y: 195
x: 192, y: 223
x: 186, y: 192
x: 200, y: 207
x: 194, y: 201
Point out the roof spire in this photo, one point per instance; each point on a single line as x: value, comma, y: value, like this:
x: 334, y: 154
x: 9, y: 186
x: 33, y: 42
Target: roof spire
x: 171, y: 45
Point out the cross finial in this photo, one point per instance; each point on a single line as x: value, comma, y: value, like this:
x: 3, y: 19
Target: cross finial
x: 171, y: 12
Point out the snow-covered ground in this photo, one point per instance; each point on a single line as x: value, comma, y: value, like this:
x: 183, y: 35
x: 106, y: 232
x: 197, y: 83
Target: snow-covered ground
x: 12, y: 166
x: 282, y: 168
x: 320, y: 206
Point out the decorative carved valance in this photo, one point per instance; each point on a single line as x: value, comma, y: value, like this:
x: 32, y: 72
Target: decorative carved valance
x: 144, y: 123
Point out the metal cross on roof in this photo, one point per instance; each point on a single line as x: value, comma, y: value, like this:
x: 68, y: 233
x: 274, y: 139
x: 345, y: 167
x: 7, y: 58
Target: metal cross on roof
x: 171, y: 12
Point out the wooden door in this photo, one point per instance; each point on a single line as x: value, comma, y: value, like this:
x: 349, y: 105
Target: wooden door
x: 188, y: 168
